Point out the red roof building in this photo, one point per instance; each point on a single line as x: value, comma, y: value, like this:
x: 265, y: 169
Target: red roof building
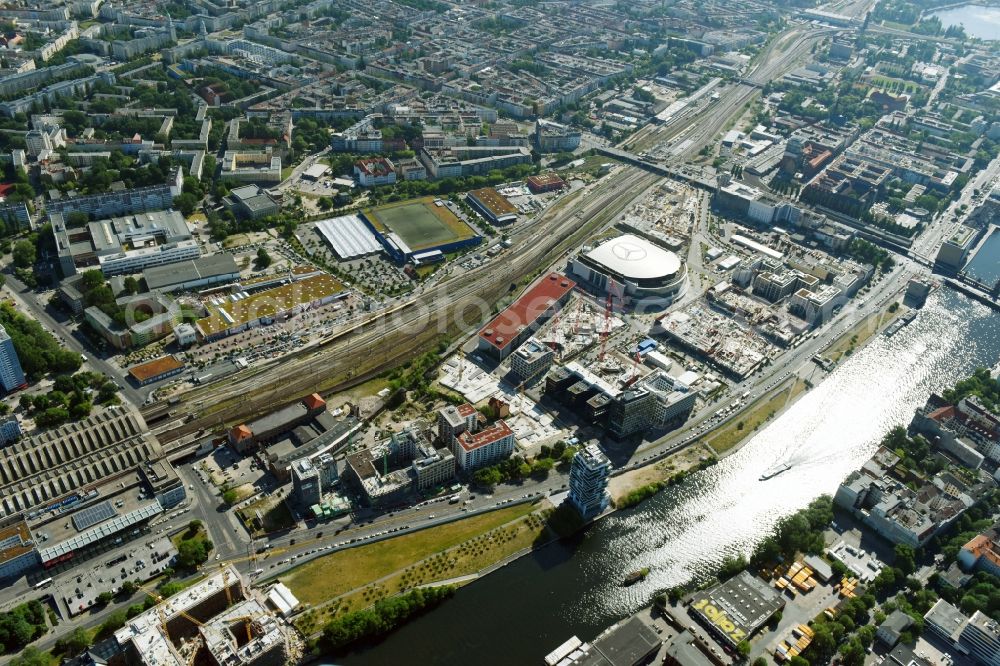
x: 477, y: 449
x: 314, y: 402
x: 510, y: 328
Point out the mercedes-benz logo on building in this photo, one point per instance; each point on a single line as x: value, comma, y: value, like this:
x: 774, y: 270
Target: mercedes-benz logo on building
x: 629, y: 251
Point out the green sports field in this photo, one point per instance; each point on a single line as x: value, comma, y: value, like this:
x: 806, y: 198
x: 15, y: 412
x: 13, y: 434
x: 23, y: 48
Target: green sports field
x: 420, y: 223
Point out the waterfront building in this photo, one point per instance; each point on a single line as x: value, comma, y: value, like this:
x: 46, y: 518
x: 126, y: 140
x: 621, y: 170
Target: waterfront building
x: 588, y: 482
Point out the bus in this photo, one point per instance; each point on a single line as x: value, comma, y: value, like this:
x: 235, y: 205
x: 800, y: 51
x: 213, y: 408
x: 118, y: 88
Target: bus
x: 43, y: 583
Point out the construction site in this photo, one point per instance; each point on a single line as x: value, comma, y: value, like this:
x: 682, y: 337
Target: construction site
x: 218, y: 621
x: 667, y: 213
x: 733, y: 347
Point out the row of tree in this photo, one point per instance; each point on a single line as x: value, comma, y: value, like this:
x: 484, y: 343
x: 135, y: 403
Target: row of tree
x: 384, y: 616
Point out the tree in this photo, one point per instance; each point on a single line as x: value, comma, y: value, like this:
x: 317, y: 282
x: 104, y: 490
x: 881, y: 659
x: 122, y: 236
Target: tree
x: 193, y: 552
x: 230, y: 496
x: 904, y: 560
x: 75, y: 643
x: 186, y: 203
x: 129, y: 588
x: 131, y: 285
x: 24, y: 254
x: 743, y: 648
x: 487, y: 477
x: 104, y: 598
x: 263, y: 259
x: 31, y: 656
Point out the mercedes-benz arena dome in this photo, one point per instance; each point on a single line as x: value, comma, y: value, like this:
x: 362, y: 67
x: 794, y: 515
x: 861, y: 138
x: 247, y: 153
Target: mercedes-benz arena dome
x: 649, y: 273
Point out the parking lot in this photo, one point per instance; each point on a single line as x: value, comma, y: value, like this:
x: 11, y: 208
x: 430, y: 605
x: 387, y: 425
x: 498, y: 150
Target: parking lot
x: 145, y: 560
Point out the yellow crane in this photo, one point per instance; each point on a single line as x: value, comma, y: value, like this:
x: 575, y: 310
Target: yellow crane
x: 158, y: 598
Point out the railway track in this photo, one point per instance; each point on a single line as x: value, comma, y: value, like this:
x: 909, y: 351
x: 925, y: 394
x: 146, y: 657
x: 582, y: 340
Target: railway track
x: 390, y: 338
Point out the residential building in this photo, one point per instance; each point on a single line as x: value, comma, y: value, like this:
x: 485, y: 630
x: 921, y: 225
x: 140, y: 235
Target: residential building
x: 432, y: 467
x: 891, y: 629
x: 454, y: 420
x: 899, y: 513
x: 588, y: 481
x: 488, y: 446
x: 531, y: 359
x: 552, y: 137
x: 981, y: 553
x: 251, y: 167
x: 11, y: 374
x: 10, y: 429
x: 124, y: 202
x: 460, y: 161
x: 374, y: 172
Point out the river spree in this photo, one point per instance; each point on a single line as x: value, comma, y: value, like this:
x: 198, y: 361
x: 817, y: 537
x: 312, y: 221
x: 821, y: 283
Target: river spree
x: 978, y: 20
x: 520, y: 613
x: 985, y: 266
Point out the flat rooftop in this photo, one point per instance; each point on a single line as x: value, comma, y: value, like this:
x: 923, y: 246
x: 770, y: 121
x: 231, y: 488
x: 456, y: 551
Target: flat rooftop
x: 525, y: 310
x: 146, y: 371
x: 15, y: 541
x: 493, y: 201
x: 545, y: 179
x: 215, y: 265
x: 744, y: 601
x: 235, y: 311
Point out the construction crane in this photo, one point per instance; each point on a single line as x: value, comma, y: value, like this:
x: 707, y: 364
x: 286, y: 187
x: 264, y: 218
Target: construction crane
x: 225, y: 585
x: 607, y: 326
x: 158, y: 598
x: 554, y: 330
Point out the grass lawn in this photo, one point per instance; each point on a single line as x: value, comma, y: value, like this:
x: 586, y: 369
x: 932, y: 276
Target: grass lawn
x: 860, y: 334
x: 327, y: 577
x: 749, y: 421
x: 472, y: 545
x: 275, y: 515
x: 420, y: 223
x: 187, y: 534
x: 622, y: 484
x: 286, y: 172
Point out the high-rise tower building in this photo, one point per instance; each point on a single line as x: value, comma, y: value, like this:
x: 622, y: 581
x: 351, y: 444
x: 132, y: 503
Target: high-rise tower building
x: 11, y: 374
x: 588, y: 481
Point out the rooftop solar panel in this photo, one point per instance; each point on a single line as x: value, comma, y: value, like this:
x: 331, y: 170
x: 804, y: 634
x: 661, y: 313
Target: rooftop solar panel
x: 93, y: 515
